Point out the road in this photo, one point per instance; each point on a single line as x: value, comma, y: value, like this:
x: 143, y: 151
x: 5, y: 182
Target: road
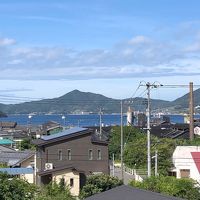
x: 117, y: 172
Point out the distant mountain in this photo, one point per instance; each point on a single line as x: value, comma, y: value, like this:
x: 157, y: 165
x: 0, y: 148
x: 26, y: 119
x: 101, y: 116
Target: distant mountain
x: 76, y: 102
x: 183, y: 101
x: 2, y: 114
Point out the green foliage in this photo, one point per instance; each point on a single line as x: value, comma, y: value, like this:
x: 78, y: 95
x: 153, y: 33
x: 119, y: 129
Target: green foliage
x: 26, y: 144
x: 99, y: 183
x: 3, y: 165
x: 135, y: 148
x: 195, y: 142
x: 183, y: 188
x: 54, y: 191
x: 130, y: 134
x: 12, y: 188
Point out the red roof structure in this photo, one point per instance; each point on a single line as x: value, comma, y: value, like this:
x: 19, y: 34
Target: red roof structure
x: 196, y: 158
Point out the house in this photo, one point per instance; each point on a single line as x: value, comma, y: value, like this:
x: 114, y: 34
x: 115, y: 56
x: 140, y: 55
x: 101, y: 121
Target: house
x: 6, y: 148
x: 51, y: 127
x: 22, y: 173
x: 16, y: 163
x: 6, y: 142
x: 130, y: 193
x: 17, y: 158
x: 186, y: 162
x: 71, y: 154
x: 8, y: 125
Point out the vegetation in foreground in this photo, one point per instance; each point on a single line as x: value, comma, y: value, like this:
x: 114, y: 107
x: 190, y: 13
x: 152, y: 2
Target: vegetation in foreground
x: 99, y: 183
x: 12, y: 188
x: 183, y: 188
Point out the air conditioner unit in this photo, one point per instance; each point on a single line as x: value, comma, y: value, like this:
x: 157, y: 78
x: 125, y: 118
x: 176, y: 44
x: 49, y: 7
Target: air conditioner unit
x: 48, y: 166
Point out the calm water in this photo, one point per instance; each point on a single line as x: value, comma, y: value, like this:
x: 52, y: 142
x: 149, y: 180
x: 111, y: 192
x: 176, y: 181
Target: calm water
x: 70, y: 120
x: 77, y: 120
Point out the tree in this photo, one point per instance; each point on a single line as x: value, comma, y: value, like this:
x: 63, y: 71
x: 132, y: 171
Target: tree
x: 12, y: 188
x: 135, y: 148
x: 99, y: 183
x: 183, y: 188
x: 129, y: 132
x: 54, y: 191
x: 26, y: 144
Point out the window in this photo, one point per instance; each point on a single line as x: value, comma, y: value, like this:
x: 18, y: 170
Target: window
x: 90, y: 154
x: 69, y: 154
x: 71, y: 182
x: 99, y: 154
x: 185, y: 173
x: 59, y: 155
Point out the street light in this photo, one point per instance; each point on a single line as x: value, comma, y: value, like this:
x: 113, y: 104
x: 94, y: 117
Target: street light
x: 29, y: 124
x: 63, y: 118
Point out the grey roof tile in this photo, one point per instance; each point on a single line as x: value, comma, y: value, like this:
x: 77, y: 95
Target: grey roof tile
x: 125, y: 192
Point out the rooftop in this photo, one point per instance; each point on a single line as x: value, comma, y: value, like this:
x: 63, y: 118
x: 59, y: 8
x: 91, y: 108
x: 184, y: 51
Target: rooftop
x: 130, y: 193
x: 14, y: 158
x: 17, y: 171
x: 63, y: 133
x: 6, y: 142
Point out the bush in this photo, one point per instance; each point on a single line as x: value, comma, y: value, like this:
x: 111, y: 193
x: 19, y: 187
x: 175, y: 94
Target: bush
x: 54, y: 191
x: 183, y: 188
x: 12, y: 188
x: 99, y: 183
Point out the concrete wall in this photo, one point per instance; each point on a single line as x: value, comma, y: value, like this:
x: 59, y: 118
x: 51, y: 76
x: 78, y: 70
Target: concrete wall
x: 67, y: 175
x: 27, y: 163
x: 182, y: 159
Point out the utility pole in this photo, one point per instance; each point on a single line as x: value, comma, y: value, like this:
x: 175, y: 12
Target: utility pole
x: 148, y: 85
x: 122, y: 143
x: 100, y: 128
x: 148, y: 113
x: 191, y: 110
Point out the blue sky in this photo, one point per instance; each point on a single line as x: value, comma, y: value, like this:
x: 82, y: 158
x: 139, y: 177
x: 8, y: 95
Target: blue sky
x: 48, y: 48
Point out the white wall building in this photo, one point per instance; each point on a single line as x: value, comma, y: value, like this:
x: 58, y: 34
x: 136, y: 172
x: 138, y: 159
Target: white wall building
x: 186, y: 160
x: 130, y: 117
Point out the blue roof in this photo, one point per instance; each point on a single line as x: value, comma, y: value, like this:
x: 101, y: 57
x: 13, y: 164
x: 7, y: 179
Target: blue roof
x: 64, y: 133
x: 17, y: 171
x: 5, y: 141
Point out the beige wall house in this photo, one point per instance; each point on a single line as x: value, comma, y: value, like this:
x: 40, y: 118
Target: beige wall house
x: 71, y: 154
x: 72, y: 177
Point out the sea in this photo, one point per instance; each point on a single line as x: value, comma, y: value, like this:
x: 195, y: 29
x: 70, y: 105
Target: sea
x: 78, y: 120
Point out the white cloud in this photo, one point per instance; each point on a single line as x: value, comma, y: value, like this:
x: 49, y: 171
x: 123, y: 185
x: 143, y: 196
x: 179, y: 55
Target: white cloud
x: 15, y: 62
x: 140, y: 56
x: 193, y: 47
x: 6, y: 41
x: 140, y: 39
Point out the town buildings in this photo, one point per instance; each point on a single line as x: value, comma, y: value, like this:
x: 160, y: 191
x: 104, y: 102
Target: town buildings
x: 72, y: 155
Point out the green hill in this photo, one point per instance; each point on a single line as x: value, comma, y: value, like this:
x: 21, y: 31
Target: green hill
x: 2, y: 114
x: 87, y: 102
x: 77, y: 102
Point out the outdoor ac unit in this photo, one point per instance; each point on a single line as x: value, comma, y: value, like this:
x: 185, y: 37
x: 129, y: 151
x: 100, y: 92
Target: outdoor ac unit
x: 48, y: 166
